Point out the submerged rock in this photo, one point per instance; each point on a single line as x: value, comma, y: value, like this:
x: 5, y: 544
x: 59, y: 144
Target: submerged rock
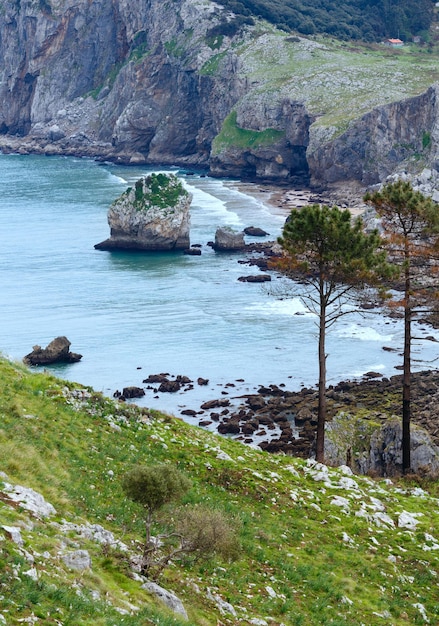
x: 152, y: 216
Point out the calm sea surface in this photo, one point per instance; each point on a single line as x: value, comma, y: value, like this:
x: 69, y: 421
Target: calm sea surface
x: 132, y: 314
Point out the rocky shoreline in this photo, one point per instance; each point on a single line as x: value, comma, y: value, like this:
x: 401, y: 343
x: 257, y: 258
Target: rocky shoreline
x: 282, y: 421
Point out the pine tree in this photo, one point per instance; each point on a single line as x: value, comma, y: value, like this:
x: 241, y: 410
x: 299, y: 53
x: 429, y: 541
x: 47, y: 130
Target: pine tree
x: 410, y: 222
x: 335, y: 259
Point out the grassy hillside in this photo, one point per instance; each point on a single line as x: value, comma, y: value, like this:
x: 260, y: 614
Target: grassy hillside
x: 318, y: 545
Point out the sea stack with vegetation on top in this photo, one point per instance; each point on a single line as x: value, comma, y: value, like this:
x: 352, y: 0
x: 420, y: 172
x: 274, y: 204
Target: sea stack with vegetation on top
x: 152, y: 216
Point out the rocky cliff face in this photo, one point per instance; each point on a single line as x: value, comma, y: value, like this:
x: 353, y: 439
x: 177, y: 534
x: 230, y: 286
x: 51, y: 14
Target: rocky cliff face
x: 183, y: 82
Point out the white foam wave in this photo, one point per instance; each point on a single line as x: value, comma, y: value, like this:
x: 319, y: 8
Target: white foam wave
x: 213, y: 206
x: 291, y: 306
x: 364, y: 333
x: 380, y: 367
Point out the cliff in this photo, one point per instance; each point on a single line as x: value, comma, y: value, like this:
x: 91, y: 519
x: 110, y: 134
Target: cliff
x: 190, y: 83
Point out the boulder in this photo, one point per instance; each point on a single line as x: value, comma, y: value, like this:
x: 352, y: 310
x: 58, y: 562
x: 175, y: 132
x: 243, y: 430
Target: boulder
x: 167, y: 597
x: 58, y: 351
x: 133, y: 392
x: 78, y: 560
x: 151, y: 216
x: 252, y: 231
x: 255, y: 278
x: 226, y: 239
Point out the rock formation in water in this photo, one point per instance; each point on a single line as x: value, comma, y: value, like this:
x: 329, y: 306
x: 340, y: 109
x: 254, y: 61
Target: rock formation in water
x: 228, y: 240
x: 190, y: 83
x: 152, y: 216
x: 58, y: 351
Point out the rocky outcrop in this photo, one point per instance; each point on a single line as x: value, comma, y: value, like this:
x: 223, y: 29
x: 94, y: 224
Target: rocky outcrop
x: 152, y: 216
x: 228, y: 240
x: 378, y: 448
x: 58, y: 351
x: 379, y: 142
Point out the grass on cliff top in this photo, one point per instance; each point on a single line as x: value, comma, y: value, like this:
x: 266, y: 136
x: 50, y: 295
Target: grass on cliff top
x: 318, y: 546
x: 339, y: 81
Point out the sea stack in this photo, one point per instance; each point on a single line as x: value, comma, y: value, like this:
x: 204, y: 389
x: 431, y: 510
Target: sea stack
x: 151, y: 216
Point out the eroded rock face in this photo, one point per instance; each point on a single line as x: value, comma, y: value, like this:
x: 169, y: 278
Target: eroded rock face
x: 152, y: 216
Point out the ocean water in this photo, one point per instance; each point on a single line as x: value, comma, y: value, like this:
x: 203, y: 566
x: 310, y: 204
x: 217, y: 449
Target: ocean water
x: 134, y: 314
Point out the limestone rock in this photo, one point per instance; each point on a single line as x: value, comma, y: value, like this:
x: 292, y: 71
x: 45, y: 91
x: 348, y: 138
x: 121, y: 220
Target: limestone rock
x: 378, y: 448
x: 78, y: 560
x: 14, y: 534
x: 152, y: 216
x: 226, y: 239
x: 29, y: 499
x: 167, y: 597
x: 57, y: 351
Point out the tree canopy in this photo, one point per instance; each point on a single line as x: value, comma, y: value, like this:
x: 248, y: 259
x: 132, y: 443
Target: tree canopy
x: 369, y: 20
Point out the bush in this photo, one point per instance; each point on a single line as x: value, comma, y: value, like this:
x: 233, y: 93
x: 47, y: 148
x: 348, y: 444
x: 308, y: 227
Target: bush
x: 195, y: 531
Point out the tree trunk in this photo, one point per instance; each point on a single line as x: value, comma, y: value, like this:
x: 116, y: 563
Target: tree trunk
x: 406, y: 392
x: 321, y: 415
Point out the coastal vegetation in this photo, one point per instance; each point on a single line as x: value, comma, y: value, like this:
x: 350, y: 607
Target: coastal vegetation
x: 232, y: 135
x: 158, y: 190
x: 410, y: 223
x: 359, y: 19
x: 318, y: 545
x: 335, y: 260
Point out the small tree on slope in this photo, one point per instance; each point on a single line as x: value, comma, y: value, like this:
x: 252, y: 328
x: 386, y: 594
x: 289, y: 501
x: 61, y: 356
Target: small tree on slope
x: 411, y: 231
x: 335, y: 259
x: 196, y: 530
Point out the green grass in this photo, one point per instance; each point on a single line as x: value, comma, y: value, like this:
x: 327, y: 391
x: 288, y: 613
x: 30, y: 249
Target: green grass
x: 232, y: 135
x: 303, y: 560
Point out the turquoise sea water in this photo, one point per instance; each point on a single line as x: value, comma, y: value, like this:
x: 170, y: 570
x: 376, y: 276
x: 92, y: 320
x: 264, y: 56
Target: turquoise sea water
x: 133, y: 314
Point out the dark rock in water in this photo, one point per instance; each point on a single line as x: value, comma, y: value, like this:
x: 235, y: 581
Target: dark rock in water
x: 203, y: 381
x: 213, y: 404
x: 133, y: 392
x: 372, y: 375
x: 252, y: 231
x: 156, y: 378
x: 170, y: 386
x: 228, y: 240
x: 230, y: 426
x: 189, y: 412
x: 192, y: 251
x: 255, y: 278
x: 204, y: 423
x: 255, y: 402
x: 58, y: 351
x: 184, y: 380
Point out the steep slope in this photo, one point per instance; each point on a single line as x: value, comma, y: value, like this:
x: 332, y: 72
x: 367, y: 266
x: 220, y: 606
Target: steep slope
x: 189, y: 82
x: 319, y: 545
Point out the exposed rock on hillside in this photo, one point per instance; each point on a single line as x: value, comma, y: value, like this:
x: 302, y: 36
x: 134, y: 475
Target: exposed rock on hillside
x: 152, y: 216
